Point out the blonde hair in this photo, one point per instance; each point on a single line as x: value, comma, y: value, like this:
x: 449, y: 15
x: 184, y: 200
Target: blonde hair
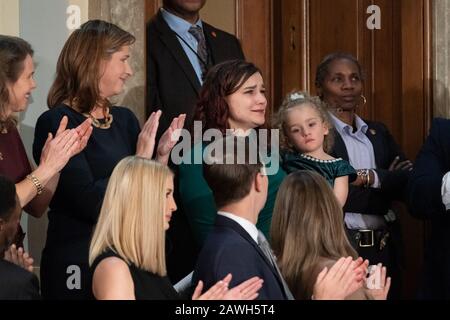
x: 131, y: 221
x: 297, y: 99
x: 307, y: 225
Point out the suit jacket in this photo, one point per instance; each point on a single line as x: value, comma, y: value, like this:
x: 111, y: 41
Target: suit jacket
x: 393, y: 183
x: 16, y: 283
x: 172, y: 84
x: 230, y: 249
x: 425, y: 202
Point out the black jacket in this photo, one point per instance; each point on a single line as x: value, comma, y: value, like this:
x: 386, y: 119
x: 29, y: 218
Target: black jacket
x: 172, y: 84
x: 393, y: 183
x: 16, y: 283
x: 425, y: 202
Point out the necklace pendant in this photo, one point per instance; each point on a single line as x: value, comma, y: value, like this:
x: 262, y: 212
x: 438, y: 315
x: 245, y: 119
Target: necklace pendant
x: 96, y: 123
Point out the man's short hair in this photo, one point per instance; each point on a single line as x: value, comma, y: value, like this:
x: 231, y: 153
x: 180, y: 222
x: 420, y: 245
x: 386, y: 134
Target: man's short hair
x: 230, y: 174
x: 8, y: 201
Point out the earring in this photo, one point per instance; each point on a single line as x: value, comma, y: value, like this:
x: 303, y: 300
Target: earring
x: 363, y: 99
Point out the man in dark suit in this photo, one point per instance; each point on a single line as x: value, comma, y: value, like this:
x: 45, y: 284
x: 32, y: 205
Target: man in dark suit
x: 180, y: 49
x: 235, y: 245
x: 428, y: 197
x: 16, y: 283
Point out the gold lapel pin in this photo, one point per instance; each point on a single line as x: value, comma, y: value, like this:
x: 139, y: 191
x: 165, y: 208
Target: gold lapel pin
x: 373, y: 132
x: 214, y: 34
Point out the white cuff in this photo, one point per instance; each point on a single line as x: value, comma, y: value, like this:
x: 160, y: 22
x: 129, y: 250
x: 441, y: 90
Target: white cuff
x: 445, y: 190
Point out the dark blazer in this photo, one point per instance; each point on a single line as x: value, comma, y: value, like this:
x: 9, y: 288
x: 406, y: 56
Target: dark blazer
x: 16, y: 283
x: 172, y: 84
x: 393, y: 183
x: 230, y: 249
x: 425, y: 202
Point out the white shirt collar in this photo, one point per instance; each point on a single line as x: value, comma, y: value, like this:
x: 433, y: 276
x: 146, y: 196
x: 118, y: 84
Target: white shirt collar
x: 244, y: 223
x: 342, y: 127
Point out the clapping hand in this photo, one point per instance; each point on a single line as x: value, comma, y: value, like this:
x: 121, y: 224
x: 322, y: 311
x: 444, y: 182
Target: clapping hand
x: 146, y: 140
x: 169, y: 139
x: 216, y: 292
x: 59, y: 149
x: 19, y: 257
x: 341, y: 280
x: 247, y: 290
x: 384, y: 283
x: 84, y: 131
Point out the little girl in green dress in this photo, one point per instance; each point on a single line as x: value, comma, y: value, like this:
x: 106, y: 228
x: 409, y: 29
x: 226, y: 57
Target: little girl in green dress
x: 306, y: 137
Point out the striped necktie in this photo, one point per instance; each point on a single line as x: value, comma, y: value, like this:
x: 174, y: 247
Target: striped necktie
x: 202, y: 51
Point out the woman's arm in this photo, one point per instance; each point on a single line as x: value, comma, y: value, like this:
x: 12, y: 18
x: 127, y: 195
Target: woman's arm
x: 77, y: 181
x: 36, y: 206
x: 55, y: 154
x: 112, y: 280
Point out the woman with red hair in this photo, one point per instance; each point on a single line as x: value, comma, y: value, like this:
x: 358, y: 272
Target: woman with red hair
x: 232, y: 100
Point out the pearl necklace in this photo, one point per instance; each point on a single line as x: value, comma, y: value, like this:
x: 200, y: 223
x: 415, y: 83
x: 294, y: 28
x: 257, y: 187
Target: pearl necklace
x: 305, y: 156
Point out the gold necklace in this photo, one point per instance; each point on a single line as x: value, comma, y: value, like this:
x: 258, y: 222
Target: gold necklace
x: 96, y: 123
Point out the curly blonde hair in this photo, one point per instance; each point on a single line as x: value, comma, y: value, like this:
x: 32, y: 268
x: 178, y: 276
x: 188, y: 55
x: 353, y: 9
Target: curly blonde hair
x: 294, y: 100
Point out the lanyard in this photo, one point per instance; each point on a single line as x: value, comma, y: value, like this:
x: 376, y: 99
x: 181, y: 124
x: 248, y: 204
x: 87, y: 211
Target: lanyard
x: 205, y: 63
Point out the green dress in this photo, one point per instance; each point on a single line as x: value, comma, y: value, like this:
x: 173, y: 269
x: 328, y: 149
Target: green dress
x: 197, y: 201
x: 329, y: 169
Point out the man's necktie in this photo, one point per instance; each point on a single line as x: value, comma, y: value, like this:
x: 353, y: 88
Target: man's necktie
x: 202, y: 51
x: 265, y: 248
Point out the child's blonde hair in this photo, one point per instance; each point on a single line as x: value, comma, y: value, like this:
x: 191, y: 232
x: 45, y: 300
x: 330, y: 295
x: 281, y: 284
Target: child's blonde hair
x: 296, y: 99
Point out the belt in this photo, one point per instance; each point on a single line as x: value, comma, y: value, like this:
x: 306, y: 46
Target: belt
x: 366, y: 238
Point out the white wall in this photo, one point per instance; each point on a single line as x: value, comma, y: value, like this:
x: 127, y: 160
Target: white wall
x: 43, y: 24
x: 9, y: 17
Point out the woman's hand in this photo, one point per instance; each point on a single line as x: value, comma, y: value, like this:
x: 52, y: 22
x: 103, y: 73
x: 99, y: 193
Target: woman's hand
x: 247, y: 290
x: 400, y: 165
x: 340, y: 281
x: 19, y: 257
x: 216, y: 292
x: 169, y: 139
x: 385, y: 285
x: 84, y: 131
x: 360, y: 268
x: 146, y: 139
x: 58, y: 150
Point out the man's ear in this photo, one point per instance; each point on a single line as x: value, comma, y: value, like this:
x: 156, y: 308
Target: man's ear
x: 258, y: 182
